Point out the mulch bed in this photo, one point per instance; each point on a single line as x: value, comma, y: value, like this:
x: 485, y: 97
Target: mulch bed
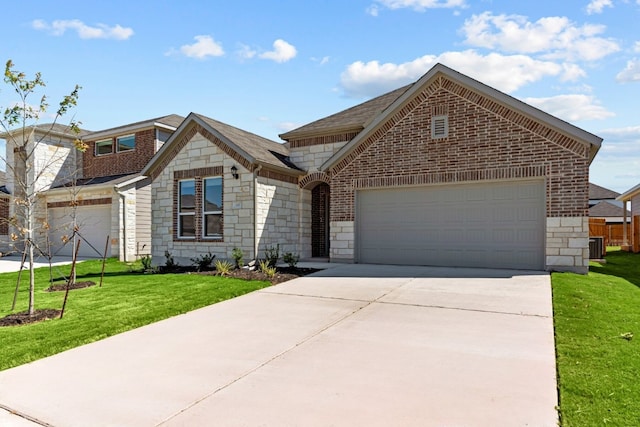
x: 283, y: 274
x: 23, y: 318
x: 63, y: 286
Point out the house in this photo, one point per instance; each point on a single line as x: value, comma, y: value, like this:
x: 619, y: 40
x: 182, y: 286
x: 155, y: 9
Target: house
x: 4, y: 214
x: 632, y: 240
x: 446, y: 171
x: 606, y: 215
x: 99, y: 193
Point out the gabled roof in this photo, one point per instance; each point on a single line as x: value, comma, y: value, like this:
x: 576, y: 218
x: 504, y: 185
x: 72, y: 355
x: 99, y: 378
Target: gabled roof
x: 629, y: 194
x: 404, y: 95
x: 606, y: 209
x: 600, y: 193
x: 254, y: 149
x: 352, y: 119
x: 169, y: 122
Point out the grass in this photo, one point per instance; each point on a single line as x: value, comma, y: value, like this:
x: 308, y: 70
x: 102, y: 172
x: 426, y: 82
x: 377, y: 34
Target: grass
x: 597, y: 325
x: 127, y: 300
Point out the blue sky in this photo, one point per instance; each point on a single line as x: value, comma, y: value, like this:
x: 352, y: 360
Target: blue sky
x: 268, y: 67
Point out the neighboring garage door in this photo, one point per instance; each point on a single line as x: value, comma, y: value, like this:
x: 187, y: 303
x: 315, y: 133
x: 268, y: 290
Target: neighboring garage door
x: 94, y: 224
x: 493, y: 225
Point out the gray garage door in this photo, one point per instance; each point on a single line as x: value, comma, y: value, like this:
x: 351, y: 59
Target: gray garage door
x: 93, y: 222
x: 494, y: 225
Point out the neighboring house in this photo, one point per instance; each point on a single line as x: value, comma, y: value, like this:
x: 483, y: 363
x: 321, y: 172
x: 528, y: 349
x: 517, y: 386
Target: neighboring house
x: 632, y: 239
x: 100, y: 192
x: 603, y: 204
x: 446, y: 171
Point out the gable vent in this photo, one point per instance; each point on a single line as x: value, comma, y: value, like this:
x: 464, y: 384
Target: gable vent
x: 439, y: 127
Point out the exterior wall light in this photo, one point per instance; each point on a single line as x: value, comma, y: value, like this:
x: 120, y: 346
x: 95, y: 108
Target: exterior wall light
x: 234, y: 172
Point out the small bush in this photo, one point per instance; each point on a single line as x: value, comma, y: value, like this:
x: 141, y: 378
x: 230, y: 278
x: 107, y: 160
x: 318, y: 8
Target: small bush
x: 291, y: 259
x: 223, y: 267
x: 267, y: 269
x: 146, y: 264
x: 169, y: 262
x: 272, y: 255
x: 238, y: 257
x: 203, y: 262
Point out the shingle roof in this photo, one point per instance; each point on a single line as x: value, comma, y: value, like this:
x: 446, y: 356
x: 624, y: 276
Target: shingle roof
x: 112, y: 180
x: 600, y: 193
x: 55, y: 128
x: 261, y: 149
x: 606, y: 209
x: 356, y: 117
x: 172, y: 120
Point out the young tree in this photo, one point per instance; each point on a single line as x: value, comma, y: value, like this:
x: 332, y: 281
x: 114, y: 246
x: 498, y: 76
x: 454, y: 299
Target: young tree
x: 31, y: 172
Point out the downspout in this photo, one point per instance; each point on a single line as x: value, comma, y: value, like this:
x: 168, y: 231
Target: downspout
x: 124, y: 222
x: 255, y: 211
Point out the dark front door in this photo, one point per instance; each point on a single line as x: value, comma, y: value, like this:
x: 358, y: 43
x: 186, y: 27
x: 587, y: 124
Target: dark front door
x: 320, y: 221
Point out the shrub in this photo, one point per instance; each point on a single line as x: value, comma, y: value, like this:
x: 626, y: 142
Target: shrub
x: 272, y: 255
x: 169, y: 262
x: 267, y: 269
x: 146, y: 264
x: 291, y: 259
x: 238, y: 257
x: 203, y: 262
x: 223, y: 267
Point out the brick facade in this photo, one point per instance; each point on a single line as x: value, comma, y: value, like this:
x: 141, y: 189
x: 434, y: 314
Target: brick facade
x: 125, y: 162
x: 485, y: 142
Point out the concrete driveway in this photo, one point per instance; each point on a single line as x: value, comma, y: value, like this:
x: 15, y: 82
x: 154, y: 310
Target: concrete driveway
x: 355, y: 345
x: 12, y: 263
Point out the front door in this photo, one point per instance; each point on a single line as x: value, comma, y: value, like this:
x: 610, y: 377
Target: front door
x: 320, y: 221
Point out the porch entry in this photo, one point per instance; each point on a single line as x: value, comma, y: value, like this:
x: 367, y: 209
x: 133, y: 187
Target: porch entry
x: 320, y: 220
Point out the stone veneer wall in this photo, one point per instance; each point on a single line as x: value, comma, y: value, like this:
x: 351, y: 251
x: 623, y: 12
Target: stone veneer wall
x: 567, y: 247
x: 279, y: 213
x: 311, y: 157
x: 342, y: 241
x: 200, y: 153
x: 123, y: 225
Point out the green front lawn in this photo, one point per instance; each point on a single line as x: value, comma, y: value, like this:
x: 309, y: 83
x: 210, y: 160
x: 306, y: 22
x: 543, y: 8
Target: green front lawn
x: 597, y: 325
x: 127, y: 300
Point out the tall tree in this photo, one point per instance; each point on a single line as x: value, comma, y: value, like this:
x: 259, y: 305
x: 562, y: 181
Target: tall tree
x: 31, y: 172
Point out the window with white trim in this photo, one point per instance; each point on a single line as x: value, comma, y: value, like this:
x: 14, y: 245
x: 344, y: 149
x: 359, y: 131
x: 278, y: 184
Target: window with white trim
x: 212, y: 208
x: 104, y: 147
x: 126, y: 143
x: 439, y: 127
x: 187, y: 208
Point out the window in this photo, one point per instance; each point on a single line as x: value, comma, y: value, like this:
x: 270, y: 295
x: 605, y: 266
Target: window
x: 212, y: 208
x: 126, y: 143
x: 439, y: 127
x: 187, y: 208
x: 104, y: 147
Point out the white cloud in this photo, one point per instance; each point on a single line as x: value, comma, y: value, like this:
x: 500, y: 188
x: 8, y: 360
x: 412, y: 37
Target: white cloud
x: 373, y: 10
x: 505, y: 73
x: 287, y: 126
x: 321, y: 61
x: 84, y: 31
x: 204, y: 46
x: 596, y: 6
x: 245, y: 52
x: 417, y: 5
x: 631, y: 73
x: 636, y: 46
x: 552, y: 37
x: 617, y: 165
x: 282, y: 52
x: 571, y: 108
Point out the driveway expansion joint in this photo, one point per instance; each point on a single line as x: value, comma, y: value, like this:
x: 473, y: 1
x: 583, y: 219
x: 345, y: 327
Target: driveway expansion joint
x: 24, y: 416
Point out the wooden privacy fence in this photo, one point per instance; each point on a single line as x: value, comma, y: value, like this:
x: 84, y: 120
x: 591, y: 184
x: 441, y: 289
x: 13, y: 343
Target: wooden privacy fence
x: 612, y: 233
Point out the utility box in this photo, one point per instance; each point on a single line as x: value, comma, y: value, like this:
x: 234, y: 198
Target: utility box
x: 596, y: 247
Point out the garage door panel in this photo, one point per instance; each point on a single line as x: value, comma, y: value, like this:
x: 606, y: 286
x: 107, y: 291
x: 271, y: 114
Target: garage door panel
x: 92, y: 222
x: 478, y: 225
